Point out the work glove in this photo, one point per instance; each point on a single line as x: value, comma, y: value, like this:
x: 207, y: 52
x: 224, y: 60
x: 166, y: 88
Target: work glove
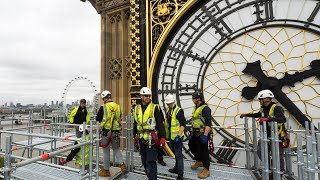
x: 243, y: 115
x: 177, y: 139
x: 204, y: 139
x: 263, y: 119
x: 63, y: 162
x: 162, y: 142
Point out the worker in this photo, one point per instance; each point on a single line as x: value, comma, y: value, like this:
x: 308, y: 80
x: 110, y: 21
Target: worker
x: 201, y: 128
x: 79, y: 115
x: 175, y: 123
x: 149, y: 125
x: 271, y: 112
x: 78, y: 152
x: 109, y: 116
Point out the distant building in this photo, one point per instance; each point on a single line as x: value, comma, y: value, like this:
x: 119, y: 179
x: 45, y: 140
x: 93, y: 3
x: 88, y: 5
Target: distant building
x: 57, y: 103
x: 6, y: 104
x: 11, y: 105
x: 52, y: 103
x: 18, y: 105
x: 45, y: 104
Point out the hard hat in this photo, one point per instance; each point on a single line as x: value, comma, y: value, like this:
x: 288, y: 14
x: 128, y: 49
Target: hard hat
x: 145, y: 91
x: 169, y: 99
x: 83, y: 101
x: 265, y: 94
x: 198, y: 94
x: 81, y: 127
x: 105, y: 94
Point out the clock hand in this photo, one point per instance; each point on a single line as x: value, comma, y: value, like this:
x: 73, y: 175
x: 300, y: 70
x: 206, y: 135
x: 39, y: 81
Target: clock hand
x: 291, y: 79
x: 251, y: 92
x: 290, y: 106
x: 255, y: 70
x: 271, y: 83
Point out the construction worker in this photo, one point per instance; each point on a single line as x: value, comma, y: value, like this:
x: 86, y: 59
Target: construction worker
x: 201, y: 127
x: 149, y: 124
x: 79, y: 115
x: 270, y: 111
x: 78, y: 152
x: 175, y: 124
x: 109, y: 116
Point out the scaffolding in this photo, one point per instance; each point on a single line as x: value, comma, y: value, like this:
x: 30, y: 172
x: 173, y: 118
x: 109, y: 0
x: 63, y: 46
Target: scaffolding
x: 59, y: 140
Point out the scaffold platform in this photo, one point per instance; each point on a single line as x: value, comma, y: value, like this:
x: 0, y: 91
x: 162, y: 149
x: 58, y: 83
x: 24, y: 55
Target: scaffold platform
x: 44, y: 172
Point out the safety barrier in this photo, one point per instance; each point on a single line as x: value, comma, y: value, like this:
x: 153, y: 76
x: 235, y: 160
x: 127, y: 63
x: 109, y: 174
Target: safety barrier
x: 10, y: 167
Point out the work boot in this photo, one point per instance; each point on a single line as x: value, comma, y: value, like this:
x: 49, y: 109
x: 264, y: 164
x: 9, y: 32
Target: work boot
x: 104, y: 173
x: 180, y: 177
x: 173, y: 170
x: 162, y: 163
x: 204, y: 173
x: 196, y: 165
x: 123, y: 168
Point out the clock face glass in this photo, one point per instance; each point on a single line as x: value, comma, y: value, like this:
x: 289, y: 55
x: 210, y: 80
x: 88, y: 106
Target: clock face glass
x: 280, y: 50
x: 215, y: 43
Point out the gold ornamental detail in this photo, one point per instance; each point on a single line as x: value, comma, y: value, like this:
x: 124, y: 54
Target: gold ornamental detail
x: 161, y: 13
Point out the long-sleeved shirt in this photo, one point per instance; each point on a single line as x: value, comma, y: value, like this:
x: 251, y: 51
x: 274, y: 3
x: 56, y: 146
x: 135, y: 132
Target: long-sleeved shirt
x: 180, y: 117
x: 278, y: 113
x: 278, y: 116
x: 79, y: 115
x: 99, y: 116
x: 158, y: 115
x: 206, y: 114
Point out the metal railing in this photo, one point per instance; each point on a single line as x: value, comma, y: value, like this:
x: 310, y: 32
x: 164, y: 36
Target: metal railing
x: 10, y: 166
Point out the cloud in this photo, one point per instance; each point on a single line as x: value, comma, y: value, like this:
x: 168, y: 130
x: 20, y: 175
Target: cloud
x: 43, y: 45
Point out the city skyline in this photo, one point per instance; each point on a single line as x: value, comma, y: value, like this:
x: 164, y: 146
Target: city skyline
x: 54, y: 42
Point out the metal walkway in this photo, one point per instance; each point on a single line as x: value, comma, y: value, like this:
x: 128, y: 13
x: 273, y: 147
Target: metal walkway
x: 216, y: 171
x: 44, y: 172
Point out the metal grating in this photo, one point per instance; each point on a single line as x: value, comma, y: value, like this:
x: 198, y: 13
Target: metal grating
x: 130, y: 176
x: 43, y: 172
x: 216, y: 171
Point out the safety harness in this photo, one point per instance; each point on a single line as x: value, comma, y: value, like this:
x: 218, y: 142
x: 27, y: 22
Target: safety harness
x: 113, y: 113
x: 282, y: 129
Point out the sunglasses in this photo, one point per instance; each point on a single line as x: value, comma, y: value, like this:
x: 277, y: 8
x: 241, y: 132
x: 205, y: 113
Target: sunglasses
x: 146, y: 95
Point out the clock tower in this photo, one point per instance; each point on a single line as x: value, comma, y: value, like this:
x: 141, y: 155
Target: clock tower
x: 228, y: 49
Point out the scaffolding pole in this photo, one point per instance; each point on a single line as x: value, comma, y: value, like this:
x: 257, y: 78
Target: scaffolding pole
x: 255, y: 145
x: 7, y: 163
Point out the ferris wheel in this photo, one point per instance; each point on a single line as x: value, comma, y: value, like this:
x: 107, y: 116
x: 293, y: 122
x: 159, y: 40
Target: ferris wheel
x: 92, y: 88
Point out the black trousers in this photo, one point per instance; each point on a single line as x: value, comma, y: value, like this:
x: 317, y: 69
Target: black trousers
x: 199, y: 150
x: 160, y: 155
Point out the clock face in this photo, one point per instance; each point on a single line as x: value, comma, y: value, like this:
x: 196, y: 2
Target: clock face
x: 281, y: 50
x: 216, y: 43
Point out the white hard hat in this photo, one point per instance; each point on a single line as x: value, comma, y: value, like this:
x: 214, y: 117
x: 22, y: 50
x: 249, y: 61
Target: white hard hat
x: 105, y: 94
x: 145, y: 91
x: 81, y: 127
x: 169, y: 99
x: 265, y: 94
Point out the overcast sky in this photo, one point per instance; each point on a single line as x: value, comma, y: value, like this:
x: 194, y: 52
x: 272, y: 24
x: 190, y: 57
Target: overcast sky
x: 43, y: 45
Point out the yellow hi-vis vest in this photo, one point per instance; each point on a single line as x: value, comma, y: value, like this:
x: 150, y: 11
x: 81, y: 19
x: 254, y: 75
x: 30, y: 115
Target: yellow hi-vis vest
x: 142, y: 119
x: 87, y: 153
x: 111, y: 116
x: 281, y: 126
x: 175, y: 125
x: 197, y: 118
